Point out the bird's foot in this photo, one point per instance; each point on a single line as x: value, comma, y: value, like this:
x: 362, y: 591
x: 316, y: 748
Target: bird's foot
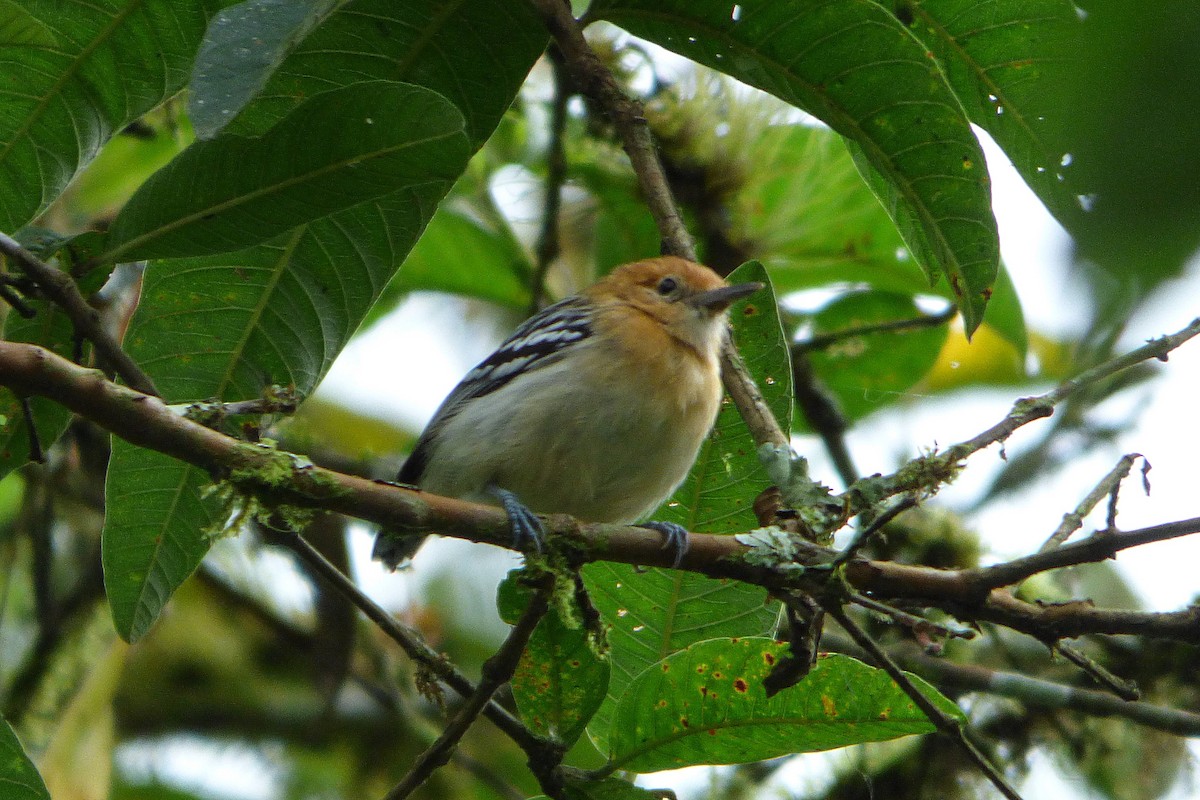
x: 526, y: 528
x: 675, y: 538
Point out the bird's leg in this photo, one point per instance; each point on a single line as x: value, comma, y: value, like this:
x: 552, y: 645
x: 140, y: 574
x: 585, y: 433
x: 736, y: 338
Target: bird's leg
x: 526, y: 527
x: 675, y: 538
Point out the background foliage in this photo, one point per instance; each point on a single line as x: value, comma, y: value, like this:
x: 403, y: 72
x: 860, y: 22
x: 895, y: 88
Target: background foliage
x: 293, y: 172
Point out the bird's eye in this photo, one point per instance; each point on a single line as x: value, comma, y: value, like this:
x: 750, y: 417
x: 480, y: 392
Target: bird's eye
x: 667, y: 286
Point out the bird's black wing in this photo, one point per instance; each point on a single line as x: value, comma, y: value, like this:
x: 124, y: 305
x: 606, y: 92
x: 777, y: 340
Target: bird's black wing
x: 538, y: 341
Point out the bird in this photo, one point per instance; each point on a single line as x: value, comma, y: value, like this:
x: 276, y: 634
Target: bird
x: 595, y: 407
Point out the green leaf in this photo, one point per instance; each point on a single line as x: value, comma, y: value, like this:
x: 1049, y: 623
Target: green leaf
x: 18, y: 776
x: 225, y: 326
x: 229, y: 326
x: 335, y: 151
x: 561, y: 679
x: 51, y: 329
x: 156, y: 530
x: 459, y: 253
x: 110, y: 62
x: 655, y: 612
x: 853, y: 65
x: 868, y: 371
x: 706, y: 705
x: 242, y: 47
x: 20, y: 28
x: 475, y: 53
x: 1006, y: 61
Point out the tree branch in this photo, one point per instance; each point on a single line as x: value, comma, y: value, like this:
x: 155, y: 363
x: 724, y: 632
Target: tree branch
x: 1033, y: 692
x: 548, y: 244
x: 971, y: 594
x: 61, y: 288
x: 928, y: 472
x: 598, y: 83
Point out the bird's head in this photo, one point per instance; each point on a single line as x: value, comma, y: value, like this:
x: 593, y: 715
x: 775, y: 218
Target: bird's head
x: 688, y: 300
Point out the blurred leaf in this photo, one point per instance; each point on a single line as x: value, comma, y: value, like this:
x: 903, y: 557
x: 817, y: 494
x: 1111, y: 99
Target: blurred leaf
x: 226, y: 326
x: 323, y: 424
x: 461, y: 254
x: 111, y: 62
x: 870, y: 370
x: 50, y: 329
x: 561, y: 679
x: 20, y: 28
x: 1006, y: 60
x: 122, y: 165
x: 854, y: 66
x: 707, y: 705
x: 608, y: 789
x: 1135, y: 135
x: 18, y: 775
x: 986, y: 360
x: 651, y: 613
x: 242, y: 47
x: 805, y: 208
x: 624, y: 229
x: 335, y: 151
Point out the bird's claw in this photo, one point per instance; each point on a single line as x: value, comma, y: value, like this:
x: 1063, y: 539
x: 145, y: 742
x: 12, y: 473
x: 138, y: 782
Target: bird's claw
x: 526, y: 528
x: 675, y: 538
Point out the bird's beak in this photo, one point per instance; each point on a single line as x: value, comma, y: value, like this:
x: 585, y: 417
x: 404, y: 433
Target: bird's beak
x: 720, y: 299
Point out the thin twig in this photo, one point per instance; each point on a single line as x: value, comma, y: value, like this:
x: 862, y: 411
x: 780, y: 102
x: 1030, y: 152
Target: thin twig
x: 497, y: 671
x: 1097, y: 547
x: 1108, y: 485
x: 946, y: 724
x: 1028, y: 409
x: 1032, y: 692
x: 940, y: 467
x: 911, y: 621
x: 862, y: 537
x: 822, y: 341
x: 548, y: 245
x: 967, y: 594
x: 8, y: 295
x: 415, y: 647
x: 1126, y: 690
x: 36, y: 454
x: 61, y: 288
x: 598, y: 83
x: 821, y: 411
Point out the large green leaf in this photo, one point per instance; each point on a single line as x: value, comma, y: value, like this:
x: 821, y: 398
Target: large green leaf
x: 853, y: 65
x: 469, y: 51
x: 655, y: 612
x: 243, y: 46
x: 227, y: 325
x: 707, y: 705
x: 19, y: 779
x: 19, y: 27
x: 561, y: 678
x: 1006, y: 60
x: 805, y: 209
x: 334, y: 151
x: 106, y: 62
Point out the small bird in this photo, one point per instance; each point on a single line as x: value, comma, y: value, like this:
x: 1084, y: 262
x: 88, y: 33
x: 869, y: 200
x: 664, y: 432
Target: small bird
x: 595, y: 407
